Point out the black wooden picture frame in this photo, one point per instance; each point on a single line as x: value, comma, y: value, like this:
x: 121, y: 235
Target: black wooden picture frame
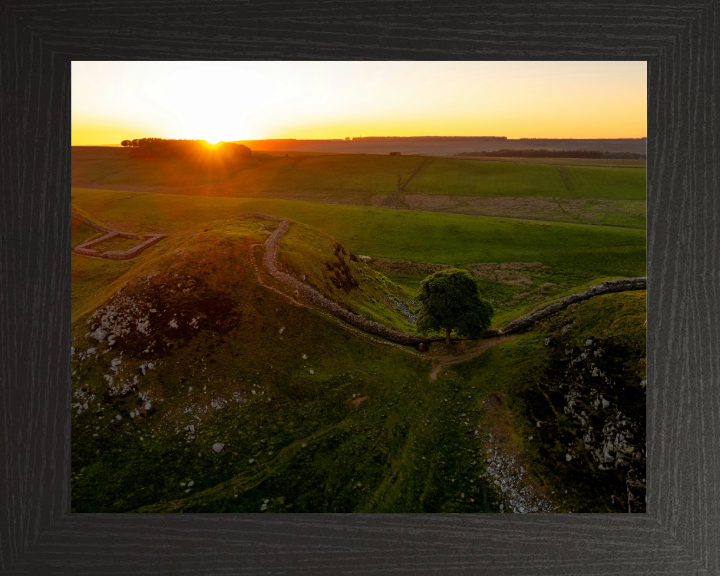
x: 681, y: 532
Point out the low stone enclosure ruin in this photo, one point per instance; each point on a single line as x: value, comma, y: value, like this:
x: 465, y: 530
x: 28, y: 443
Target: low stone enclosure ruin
x: 86, y: 249
x: 524, y: 322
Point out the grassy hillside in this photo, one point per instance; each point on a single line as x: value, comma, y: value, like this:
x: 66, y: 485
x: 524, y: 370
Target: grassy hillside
x: 608, y: 183
x: 321, y: 262
x: 80, y: 233
x: 355, y: 175
x: 419, y: 237
x: 115, y: 166
x: 625, y: 213
x: 467, y: 178
x: 307, y: 173
x: 186, y: 350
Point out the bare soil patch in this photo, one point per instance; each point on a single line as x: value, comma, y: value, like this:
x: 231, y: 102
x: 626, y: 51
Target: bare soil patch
x: 359, y: 400
x: 512, y: 273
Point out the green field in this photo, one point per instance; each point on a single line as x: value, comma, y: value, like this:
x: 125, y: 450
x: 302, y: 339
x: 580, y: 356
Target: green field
x: 563, y: 161
x: 264, y: 172
x: 361, y: 174
x: 466, y: 178
x: 416, y: 236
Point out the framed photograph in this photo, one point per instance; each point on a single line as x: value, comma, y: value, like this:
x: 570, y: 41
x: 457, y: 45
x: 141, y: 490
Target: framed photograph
x: 357, y: 308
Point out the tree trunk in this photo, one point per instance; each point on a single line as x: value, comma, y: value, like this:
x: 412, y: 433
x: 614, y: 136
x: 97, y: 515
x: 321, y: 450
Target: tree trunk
x: 447, y: 336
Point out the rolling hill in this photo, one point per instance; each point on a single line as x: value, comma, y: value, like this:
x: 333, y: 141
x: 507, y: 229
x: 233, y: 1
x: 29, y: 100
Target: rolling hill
x: 199, y: 386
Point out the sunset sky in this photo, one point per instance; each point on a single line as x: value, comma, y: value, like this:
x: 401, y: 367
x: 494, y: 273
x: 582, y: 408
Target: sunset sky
x: 113, y: 101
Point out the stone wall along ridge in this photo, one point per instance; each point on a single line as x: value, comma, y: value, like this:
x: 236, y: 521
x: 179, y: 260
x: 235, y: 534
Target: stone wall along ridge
x: 528, y: 320
x: 270, y: 262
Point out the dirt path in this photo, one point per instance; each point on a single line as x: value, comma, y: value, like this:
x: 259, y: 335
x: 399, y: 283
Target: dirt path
x: 463, y: 351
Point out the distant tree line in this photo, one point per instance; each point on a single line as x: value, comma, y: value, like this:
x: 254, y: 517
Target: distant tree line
x: 544, y: 153
x: 160, y: 147
x: 428, y: 138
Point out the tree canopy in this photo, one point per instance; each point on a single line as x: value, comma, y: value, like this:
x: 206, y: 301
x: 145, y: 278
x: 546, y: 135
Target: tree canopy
x: 451, y: 301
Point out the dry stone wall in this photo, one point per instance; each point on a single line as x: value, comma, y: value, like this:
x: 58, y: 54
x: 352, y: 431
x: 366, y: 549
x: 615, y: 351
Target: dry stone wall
x: 270, y: 261
x: 87, y: 250
x: 149, y: 241
x: 609, y: 287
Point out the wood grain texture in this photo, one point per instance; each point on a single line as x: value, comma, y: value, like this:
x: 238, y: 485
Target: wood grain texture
x: 681, y: 532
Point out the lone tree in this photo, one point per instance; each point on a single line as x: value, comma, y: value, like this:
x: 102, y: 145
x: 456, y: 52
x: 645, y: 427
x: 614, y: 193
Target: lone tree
x: 451, y: 301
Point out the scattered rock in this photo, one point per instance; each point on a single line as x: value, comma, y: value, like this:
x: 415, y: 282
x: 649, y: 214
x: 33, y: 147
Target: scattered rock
x: 217, y: 447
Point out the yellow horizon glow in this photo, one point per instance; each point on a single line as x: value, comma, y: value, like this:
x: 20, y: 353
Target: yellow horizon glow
x: 226, y: 101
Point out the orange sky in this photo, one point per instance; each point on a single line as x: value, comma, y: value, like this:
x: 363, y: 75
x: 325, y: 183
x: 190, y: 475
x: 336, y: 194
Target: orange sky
x: 113, y: 101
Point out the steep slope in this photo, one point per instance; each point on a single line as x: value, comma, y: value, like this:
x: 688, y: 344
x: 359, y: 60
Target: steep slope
x: 567, y: 403
x: 195, y: 388
x: 326, y: 265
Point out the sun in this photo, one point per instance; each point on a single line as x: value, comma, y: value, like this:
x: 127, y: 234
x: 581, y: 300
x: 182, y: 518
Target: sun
x: 213, y: 141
